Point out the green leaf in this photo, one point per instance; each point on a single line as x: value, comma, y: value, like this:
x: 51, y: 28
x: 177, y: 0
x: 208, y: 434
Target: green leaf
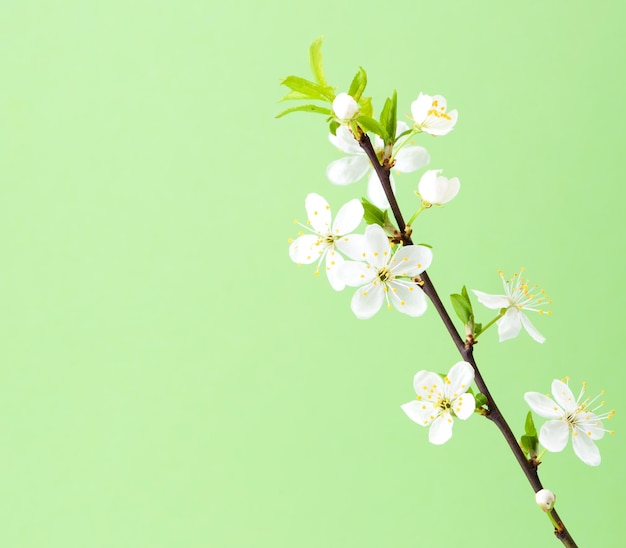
x: 334, y: 124
x: 460, y: 305
x: 295, y: 96
x: 373, y: 215
x: 357, y: 87
x: 371, y: 125
x: 315, y: 59
x: 310, y: 89
x: 481, y: 399
x: 478, y: 329
x: 366, y: 106
x: 529, y: 445
x: 305, y: 108
x: 388, y: 116
x: 529, y: 427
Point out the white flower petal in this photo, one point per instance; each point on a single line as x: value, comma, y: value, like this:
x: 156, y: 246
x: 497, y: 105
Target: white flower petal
x: 333, y: 263
x: 411, y: 260
x: 377, y: 246
x: 553, y: 435
x: 318, y: 211
x: 356, y: 274
x: 495, y: 302
x: 531, y: 329
x: 347, y: 170
x: 441, y: 429
x: 375, y: 191
x: 411, y: 159
x: 303, y: 250
x: 563, y: 395
x: 348, y: 217
x: 441, y: 125
x: 437, y: 189
x: 461, y: 376
x: 591, y: 425
x: 543, y: 406
x: 408, y: 299
x: 352, y: 245
x: 367, y: 301
x: 464, y: 406
x: 585, y: 449
x: 428, y: 386
x: 509, y: 325
x: 420, y: 107
x: 345, y: 141
x: 418, y: 412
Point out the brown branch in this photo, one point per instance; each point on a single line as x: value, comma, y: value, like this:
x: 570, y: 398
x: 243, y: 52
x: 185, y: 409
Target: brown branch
x: 529, y: 467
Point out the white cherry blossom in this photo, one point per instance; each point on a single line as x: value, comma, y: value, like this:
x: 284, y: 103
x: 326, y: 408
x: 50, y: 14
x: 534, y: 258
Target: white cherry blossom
x: 570, y: 415
x: 518, y: 296
x: 430, y: 116
x: 385, y: 277
x: 436, y: 189
x: 327, y: 238
x: 439, y: 400
x: 356, y: 164
x: 545, y: 499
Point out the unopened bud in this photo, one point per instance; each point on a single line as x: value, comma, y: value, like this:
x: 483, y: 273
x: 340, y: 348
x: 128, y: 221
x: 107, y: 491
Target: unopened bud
x: 545, y: 499
x: 345, y: 107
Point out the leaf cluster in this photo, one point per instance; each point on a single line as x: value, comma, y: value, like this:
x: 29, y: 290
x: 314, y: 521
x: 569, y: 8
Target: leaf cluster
x: 318, y: 89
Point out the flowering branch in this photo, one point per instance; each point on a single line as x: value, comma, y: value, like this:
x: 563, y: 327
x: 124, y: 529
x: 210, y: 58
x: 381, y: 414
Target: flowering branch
x: 385, y: 265
x: 529, y: 466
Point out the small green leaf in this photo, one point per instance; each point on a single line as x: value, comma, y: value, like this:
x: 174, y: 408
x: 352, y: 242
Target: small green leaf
x: 529, y: 427
x: 366, y: 106
x: 370, y: 125
x: 334, y: 124
x: 463, y: 311
x: 315, y: 59
x: 373, y: 215
x: 478, y: 329
x: 295, y: 96
x: 357, y: 87
x: 305, y: 108
x: 529, y: 445
x: 481, y: 399
x: 310, y: 89
x: 388, y: 116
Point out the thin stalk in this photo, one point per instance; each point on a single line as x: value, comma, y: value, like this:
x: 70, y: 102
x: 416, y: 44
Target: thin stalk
x: 466, y: 350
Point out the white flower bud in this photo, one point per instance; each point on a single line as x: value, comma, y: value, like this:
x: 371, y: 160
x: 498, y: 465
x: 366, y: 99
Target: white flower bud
x: 345, y: 107
x: 437, y: 189
x: 545, y: 499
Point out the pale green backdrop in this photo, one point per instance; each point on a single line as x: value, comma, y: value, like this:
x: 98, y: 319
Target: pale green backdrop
x: 168, y: 377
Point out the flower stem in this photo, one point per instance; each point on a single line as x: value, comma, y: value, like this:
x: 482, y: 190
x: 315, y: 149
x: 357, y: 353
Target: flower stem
x: 412, y: 219
x: 412, y: 132
x: 488, y: 325
x: 466, y: 350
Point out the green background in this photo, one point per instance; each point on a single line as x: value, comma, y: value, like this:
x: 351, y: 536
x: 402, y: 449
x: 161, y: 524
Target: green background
x: 169, y: 378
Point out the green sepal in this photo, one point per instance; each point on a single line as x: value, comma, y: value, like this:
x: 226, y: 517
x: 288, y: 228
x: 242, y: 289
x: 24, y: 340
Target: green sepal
x: 388, y: 117
x: 310, y: 89
x: 305, y: 108
x: 371, y: 125
x: 315, y: 60
x: 333, y: 125
x: 357, y: 87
